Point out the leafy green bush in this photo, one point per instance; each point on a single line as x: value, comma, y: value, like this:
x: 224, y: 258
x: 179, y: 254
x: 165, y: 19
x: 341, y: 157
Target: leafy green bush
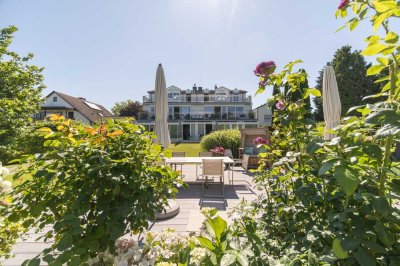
x: 226, y: 138
x: 9, y: 231
x: 333, y: 202
x: 100, y: 183
x: 26, y: 140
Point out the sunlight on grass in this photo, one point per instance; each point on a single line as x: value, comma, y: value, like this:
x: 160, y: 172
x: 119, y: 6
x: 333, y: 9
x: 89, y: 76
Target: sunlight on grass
x: 190, y: 149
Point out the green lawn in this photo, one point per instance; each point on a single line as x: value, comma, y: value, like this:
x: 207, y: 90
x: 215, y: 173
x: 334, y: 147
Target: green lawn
x: 191, y: 149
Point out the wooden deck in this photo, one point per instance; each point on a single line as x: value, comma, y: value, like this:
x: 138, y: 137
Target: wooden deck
x: 189, y: 219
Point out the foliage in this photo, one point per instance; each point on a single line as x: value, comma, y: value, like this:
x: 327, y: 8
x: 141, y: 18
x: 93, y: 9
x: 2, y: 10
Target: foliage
x: 127, y: 108
x: 353, y: 83
x: 27, y: 140
x: 20, y: 90
x: 99, y: 184
x: 227, y: 138
x: 215, y: 246
x: 9, y: 232
x: 337, y: 201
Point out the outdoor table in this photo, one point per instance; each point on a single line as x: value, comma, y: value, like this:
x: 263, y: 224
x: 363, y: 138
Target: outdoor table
x: 199, y: 160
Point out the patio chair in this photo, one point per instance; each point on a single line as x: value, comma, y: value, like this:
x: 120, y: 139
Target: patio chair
x: 202, y: 154
x: 178, y: 154
x: 213, y: 168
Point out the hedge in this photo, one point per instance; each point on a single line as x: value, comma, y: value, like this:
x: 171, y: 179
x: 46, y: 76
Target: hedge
x: 227, y: 138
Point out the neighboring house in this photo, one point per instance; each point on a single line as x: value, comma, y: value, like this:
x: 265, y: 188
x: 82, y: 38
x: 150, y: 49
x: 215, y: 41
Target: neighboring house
x: 72, y: 108
x: 197, y: 112
x: 263, y: 114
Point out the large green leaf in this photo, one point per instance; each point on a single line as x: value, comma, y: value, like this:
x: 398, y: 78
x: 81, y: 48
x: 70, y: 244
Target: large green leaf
x: 205, y: 242
x: 384, y: 117
x: 337, y: 249
x: 347, y: 179
x: 383, y: 234
x: 326, y: 166
x: 364, y: 258
x: 374, y: 49
x: 219, y: 226
x: 387, y: 131
x: 228, y: 259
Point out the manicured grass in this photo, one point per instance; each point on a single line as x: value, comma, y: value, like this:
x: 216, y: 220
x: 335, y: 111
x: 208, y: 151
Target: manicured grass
x: 190, y: 149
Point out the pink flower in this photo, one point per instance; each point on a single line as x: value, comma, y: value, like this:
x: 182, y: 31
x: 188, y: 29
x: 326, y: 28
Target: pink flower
x: 280, y: 105
x: 260, y: 140
x: 343, y: 4
x: 218, y: 150
x: 265, y: 69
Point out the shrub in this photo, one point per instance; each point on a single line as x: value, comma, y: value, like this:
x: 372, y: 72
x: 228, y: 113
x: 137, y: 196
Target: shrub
x: 226, y: 138
x: 26, y: 140
x: 9, y: 231
x: 100, y: 183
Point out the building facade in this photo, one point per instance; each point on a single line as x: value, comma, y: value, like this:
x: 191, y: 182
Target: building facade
x: 263, y: 114
x: 71, y: 107
x: 197, y: 112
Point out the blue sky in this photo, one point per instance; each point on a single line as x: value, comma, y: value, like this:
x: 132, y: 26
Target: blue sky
x: 108, y: 51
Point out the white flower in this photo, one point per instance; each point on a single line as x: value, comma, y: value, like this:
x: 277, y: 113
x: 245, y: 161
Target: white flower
x: 4, y: 171
x: 6, y: 185
x: 166, y: 264
x: 197, y: 255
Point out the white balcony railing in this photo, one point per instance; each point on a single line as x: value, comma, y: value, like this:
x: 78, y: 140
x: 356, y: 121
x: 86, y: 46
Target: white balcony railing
x: 202, y: 99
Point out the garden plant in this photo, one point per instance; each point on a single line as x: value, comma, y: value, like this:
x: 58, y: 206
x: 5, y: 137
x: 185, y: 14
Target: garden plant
x: 95, y: 185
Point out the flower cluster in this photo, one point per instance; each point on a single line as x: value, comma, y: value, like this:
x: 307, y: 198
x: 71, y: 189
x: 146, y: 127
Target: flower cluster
x: 280, y: 105
x: 218, y: 150
x: 198, y: 255
x: 260, y: 140
x: 343, y: 4
x: 129, y: 253
x: 5, y: 186
x: 167, y: 244
x: 265, y: 69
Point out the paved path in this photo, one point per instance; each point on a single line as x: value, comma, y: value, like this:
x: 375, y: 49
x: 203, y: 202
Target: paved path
x: 189, y: 219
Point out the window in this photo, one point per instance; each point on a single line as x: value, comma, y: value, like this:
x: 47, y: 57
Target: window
x: 209, y: 112
x: 55, y: 99
x: 267, y: 118
x: 240, y: 112
x: 70, y: 115
x: 185, y: 112
x: 231, y: 112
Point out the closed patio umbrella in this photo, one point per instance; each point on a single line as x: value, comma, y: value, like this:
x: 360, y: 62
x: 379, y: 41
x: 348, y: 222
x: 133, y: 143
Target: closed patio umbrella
x: 161, y: 108
x: 330, y: 101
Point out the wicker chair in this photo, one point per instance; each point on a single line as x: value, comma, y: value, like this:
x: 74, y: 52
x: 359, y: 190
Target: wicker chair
x: 250, y: 159
x: 202, y: 154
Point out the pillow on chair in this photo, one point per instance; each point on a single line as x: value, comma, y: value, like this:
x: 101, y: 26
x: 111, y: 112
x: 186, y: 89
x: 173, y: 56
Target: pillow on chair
x: 248, y: 150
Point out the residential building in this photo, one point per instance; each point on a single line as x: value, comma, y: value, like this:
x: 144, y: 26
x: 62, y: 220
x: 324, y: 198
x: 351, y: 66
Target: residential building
x: 263, y: 114
x: 72, y: 108
x: 196, y: 112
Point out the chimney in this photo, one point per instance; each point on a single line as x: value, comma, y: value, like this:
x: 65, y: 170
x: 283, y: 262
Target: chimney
x: 82, y: 99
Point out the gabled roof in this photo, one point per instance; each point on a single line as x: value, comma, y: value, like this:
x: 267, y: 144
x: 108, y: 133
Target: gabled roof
x: 83, y: 106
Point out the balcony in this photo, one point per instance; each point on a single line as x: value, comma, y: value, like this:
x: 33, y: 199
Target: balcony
x: 202, y: 99
x: 146, y: 116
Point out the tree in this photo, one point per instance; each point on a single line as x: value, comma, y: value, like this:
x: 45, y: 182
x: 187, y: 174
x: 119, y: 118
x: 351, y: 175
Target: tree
x: 127, y: 108
x: 21, y: 85
x: 353, y: 82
